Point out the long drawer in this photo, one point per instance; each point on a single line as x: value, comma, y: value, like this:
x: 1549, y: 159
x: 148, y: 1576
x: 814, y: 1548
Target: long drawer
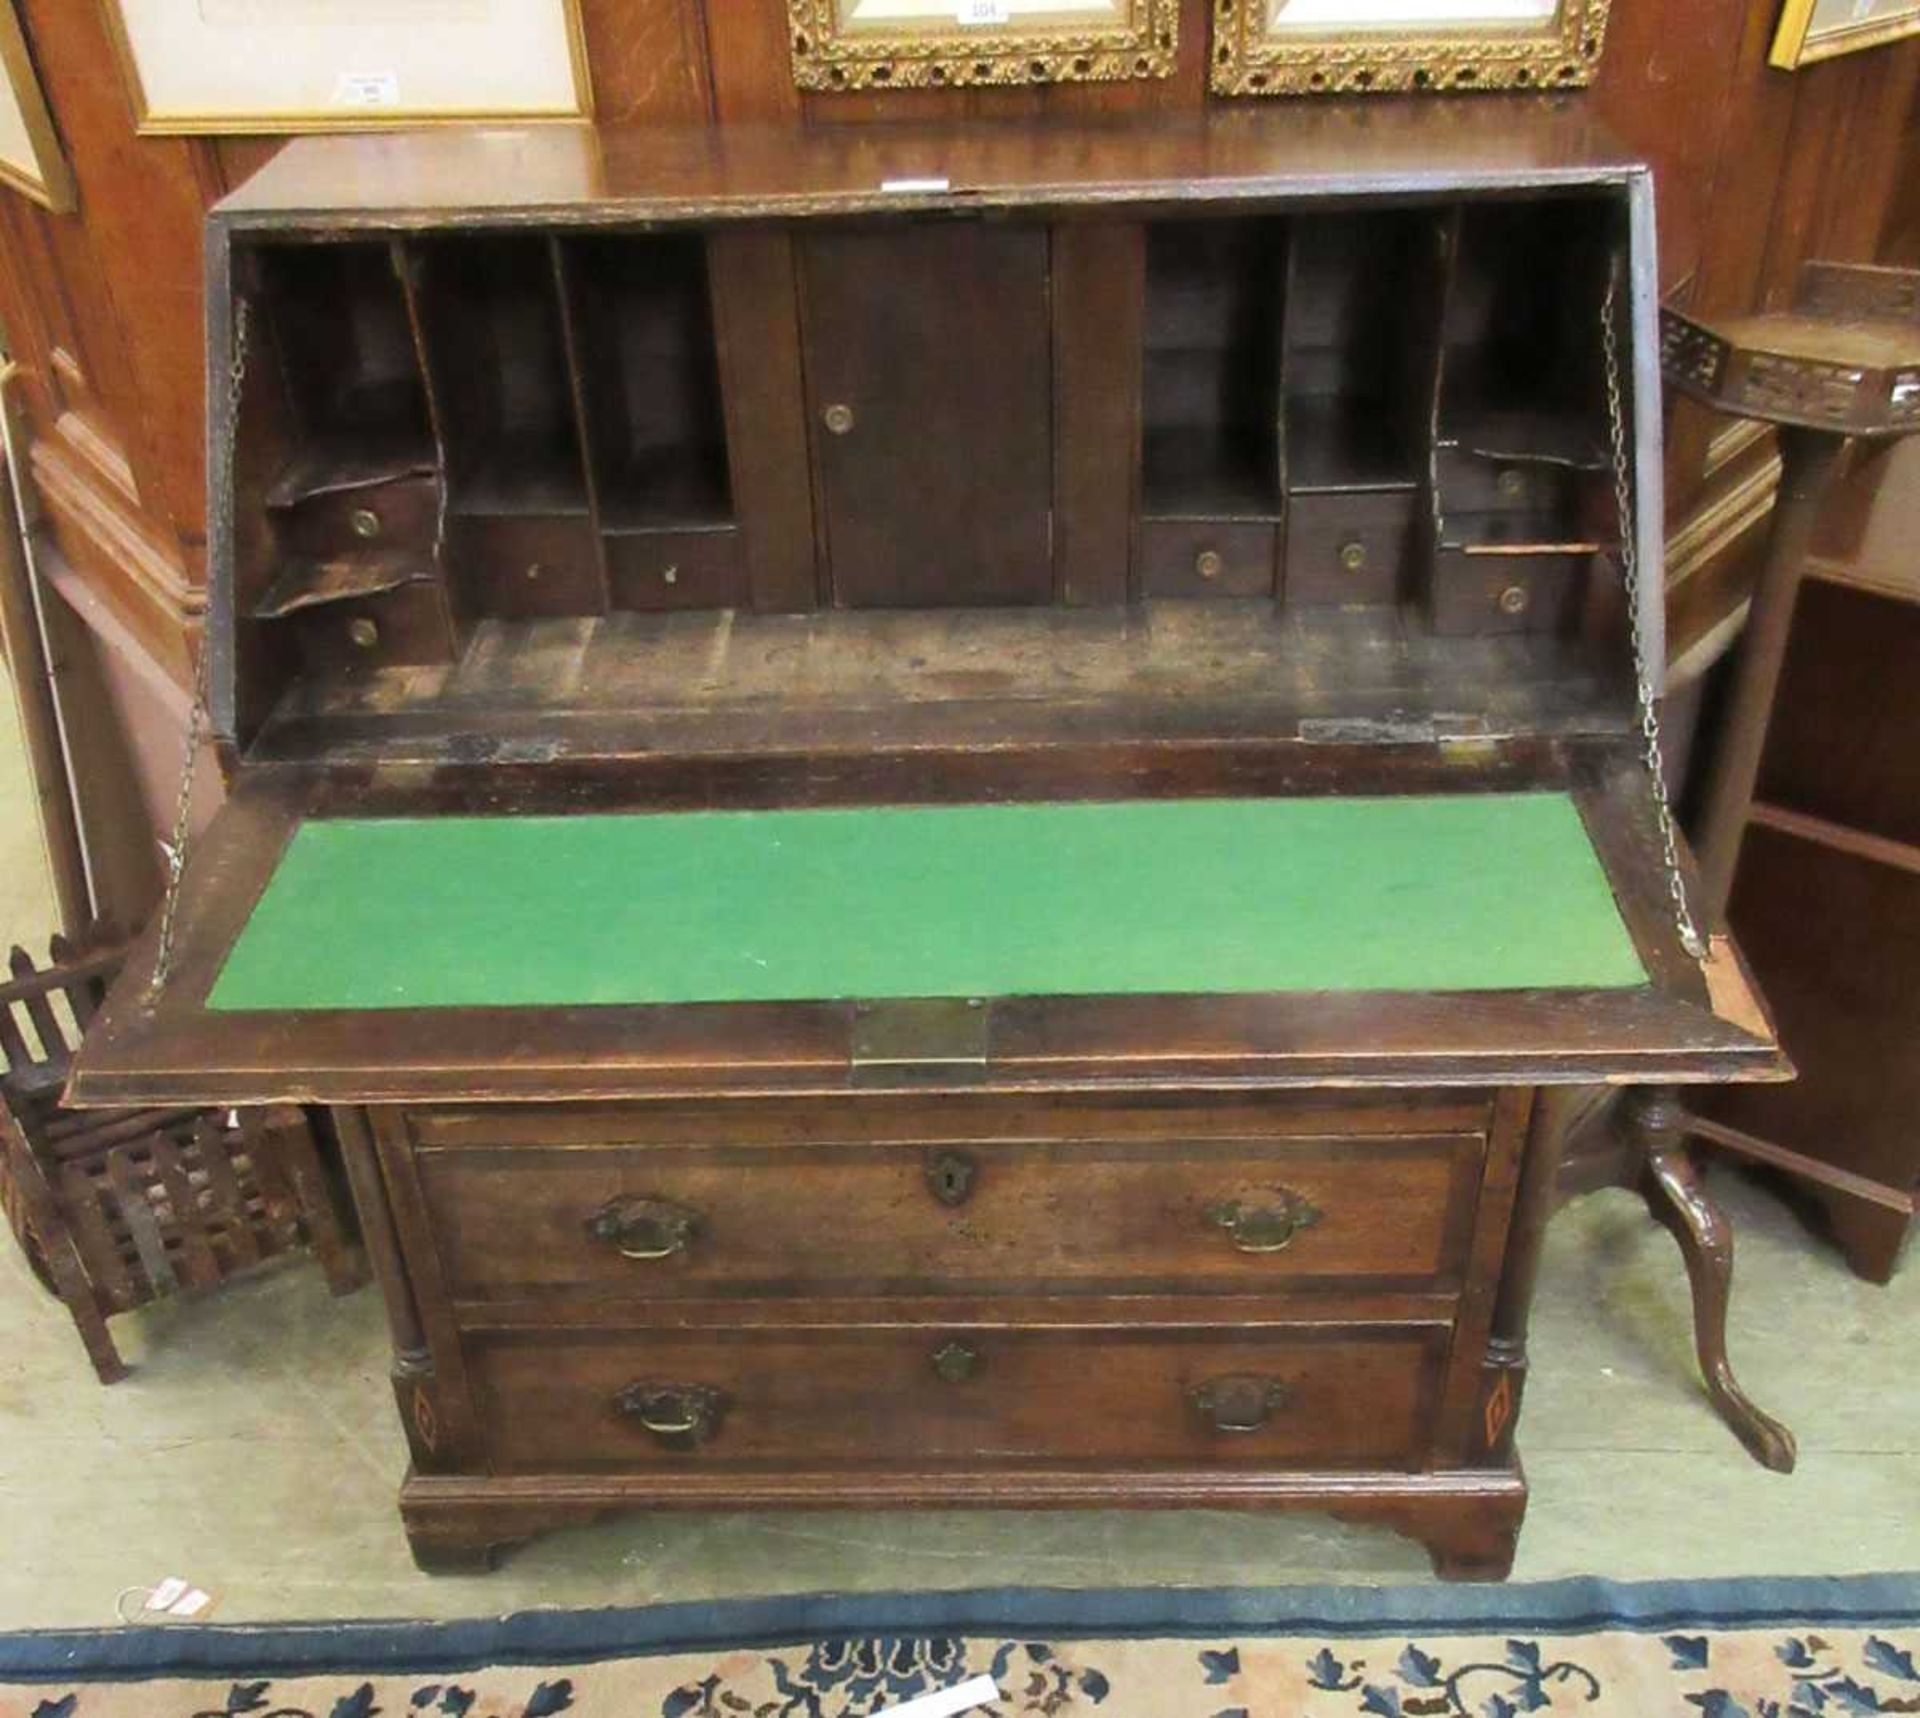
x: 1335, y: 1397
x: 928, y: 1216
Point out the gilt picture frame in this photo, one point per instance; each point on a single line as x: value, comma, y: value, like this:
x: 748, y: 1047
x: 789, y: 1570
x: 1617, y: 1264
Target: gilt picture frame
x: 31, y: 159
x: 1815, y: 30
x: 1368, y: 47
x: 249, y: 66
x: 932, y: 44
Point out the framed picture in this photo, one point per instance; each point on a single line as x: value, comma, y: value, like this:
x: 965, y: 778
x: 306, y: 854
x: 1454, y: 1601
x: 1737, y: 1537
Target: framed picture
x: 327, y: 65
x: 30, y: 156
x: 1818, y: 29
x: 896, y: 44
x: 1349, y: 47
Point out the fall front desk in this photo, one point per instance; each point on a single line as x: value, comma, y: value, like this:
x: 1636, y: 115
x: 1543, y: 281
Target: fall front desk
x: 999, y: 905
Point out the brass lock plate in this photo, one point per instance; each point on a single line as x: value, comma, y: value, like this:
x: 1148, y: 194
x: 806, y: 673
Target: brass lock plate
x: 920, y: 1040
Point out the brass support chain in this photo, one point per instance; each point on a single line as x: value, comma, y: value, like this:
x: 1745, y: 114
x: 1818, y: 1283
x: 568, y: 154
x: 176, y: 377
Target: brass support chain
x: 1649, y: 706
x: 197, y: 716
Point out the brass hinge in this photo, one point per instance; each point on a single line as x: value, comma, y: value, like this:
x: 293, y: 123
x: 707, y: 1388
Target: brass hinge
x: 920, y: 1040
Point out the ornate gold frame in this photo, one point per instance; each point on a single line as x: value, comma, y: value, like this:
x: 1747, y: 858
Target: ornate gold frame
x: 937, y: 56
x: 1793, y: 48
x: 146, y: 124
x: 54, y: 186
x: 1249, y: 58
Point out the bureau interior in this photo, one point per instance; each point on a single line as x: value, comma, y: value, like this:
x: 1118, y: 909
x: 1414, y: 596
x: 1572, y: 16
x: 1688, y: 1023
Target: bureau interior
x: 1383, y: 423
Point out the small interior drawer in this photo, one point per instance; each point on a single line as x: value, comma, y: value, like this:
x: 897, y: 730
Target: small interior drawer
x: 676, y: 569
x: 1205, y: 558
x: 1347, y: 548
x: 1521, y: 592
x: 1472, y: 482
x: 527, y: 565
x: 893, y: 1395
x: 984, y: 1216
x: 382, y: 629
x: 400, y: 514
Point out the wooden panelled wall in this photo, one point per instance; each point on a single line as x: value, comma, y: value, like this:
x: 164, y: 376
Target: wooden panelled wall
x: 1757, y: 169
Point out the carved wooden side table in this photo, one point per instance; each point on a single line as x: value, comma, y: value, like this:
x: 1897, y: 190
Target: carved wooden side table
x: 1842, y: 361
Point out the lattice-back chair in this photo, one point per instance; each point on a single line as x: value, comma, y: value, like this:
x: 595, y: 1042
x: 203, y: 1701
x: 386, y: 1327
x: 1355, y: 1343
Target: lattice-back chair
x: 116, y: 1208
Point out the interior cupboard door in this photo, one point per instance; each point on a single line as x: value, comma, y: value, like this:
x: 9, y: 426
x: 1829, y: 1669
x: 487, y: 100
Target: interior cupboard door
x: 930, y: 388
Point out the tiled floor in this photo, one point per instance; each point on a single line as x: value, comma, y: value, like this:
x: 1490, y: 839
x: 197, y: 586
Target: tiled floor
x: 255, y: 1450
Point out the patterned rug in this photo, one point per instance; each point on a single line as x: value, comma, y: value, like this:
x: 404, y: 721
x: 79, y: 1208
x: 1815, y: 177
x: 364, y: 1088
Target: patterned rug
x: 1736, y: 1649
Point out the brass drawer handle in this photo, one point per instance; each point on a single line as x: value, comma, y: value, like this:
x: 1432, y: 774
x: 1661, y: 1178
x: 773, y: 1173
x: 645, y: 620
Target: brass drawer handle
x: 1239, y: 1402
x: 1267, y: 1224
x: 643, y: 1228
x: 679, y: 1415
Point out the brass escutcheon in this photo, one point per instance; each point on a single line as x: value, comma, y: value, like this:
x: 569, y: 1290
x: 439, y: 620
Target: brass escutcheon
x: 956, y: 1362
x: 1353, y: 556
x: 363, y: 633
x: 1514, y: 599
x: 1511, y: 483
x: 365, y: 522
x: 950, y: 1176
x: 1208, y: 563
x: 838, y: 419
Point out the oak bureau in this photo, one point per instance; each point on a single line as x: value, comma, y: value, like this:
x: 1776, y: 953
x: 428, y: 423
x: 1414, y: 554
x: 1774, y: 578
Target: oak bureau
x: 950, y: 816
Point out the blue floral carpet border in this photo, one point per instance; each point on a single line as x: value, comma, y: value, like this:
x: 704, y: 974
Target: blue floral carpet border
x: 1028, y: 1613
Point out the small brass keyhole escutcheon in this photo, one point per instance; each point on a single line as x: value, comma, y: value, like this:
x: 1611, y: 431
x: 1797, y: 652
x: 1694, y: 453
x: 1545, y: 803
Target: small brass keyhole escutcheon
x: 956, y: 1362
x: 670, y: 576
x: 950, y: 1176
x: 1353, y: 556
x: 365, y: 522
x: 363, y: 633
x: 535, y: 570
x: 1514, y: 599
x: 838, y: 419
x: 1208, y: 564
x: 1512, y: 484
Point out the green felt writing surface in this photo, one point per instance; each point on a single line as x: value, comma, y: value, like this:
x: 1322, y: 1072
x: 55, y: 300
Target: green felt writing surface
x: 1463, y: 892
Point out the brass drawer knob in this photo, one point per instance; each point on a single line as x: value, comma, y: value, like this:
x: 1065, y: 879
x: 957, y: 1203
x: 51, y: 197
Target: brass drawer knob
x: 1515, y: 599
x: 644, y: 1228
x: 838, y: 419
x: 1238, y: 1402
x: 1209, y: 564
x: 956, y: 1362
x: 365, y: 523
x: 681, y: 1416
x: 951, y: 1175
x: 362, y: 633
x: 1353, y: 556
x: 1266, y: 1223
